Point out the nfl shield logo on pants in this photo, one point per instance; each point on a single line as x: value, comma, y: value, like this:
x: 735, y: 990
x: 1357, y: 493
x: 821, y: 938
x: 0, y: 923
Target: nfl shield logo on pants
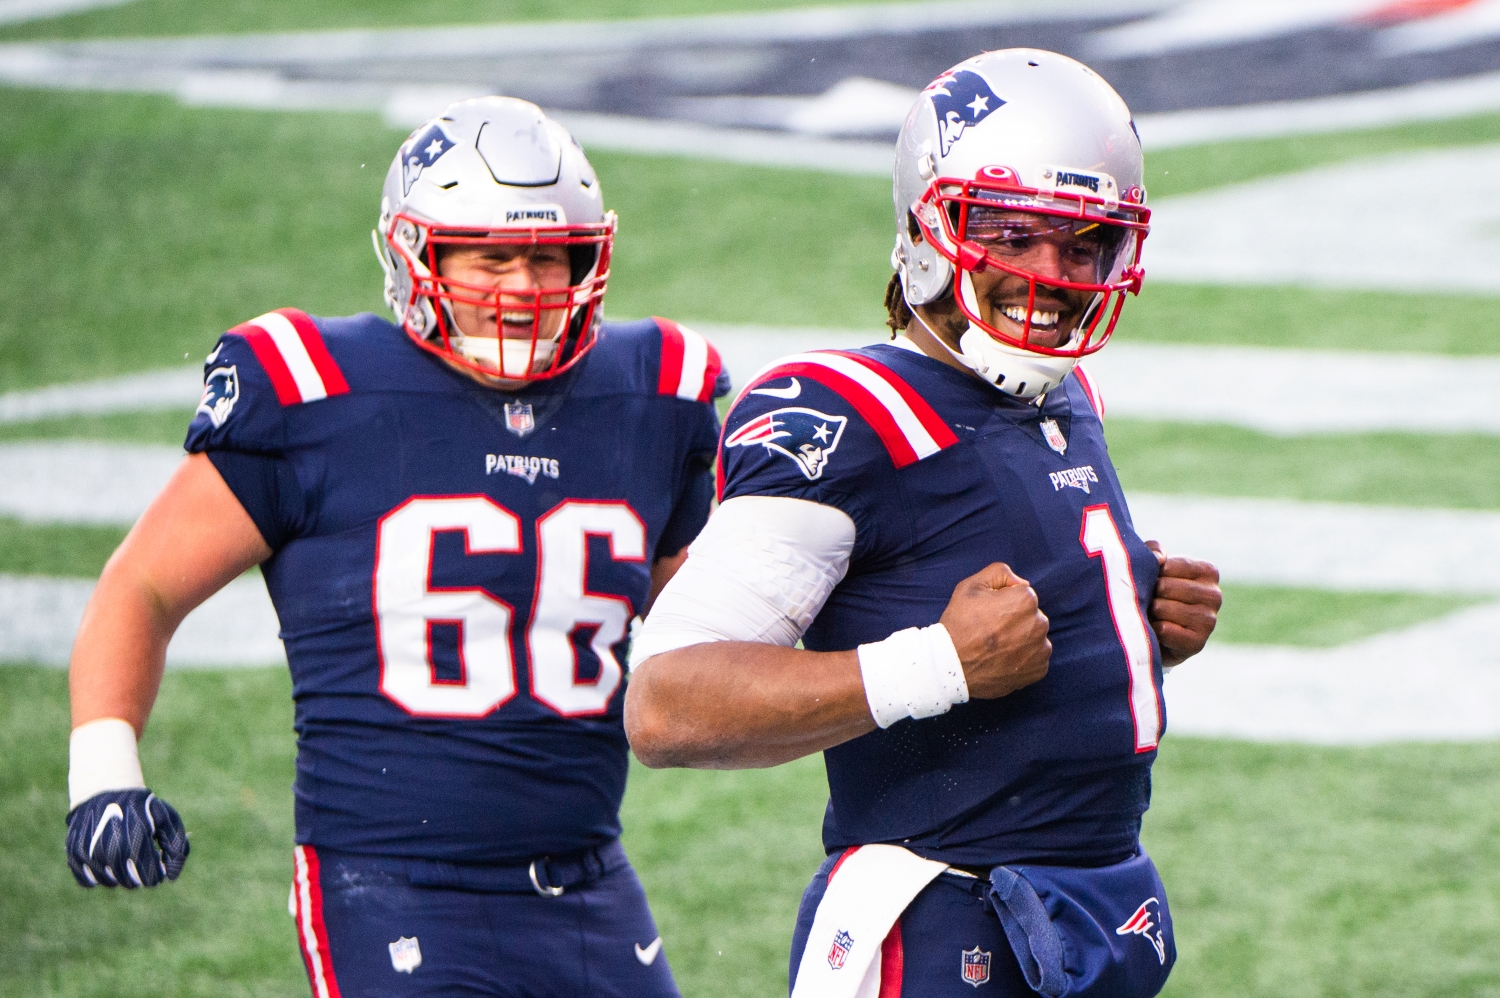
x: 976, y: 966
x: 406, y: 955
x: 839, y: 951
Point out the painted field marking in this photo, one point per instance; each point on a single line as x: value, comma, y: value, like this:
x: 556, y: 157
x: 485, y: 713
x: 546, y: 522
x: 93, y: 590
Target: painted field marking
x: 1235, y: 386
x: 1338, y: 234
x: 1437, y: 681
x: 237, y: 626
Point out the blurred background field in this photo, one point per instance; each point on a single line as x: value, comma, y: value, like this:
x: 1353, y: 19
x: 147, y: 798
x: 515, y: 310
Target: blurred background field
x: 137, y: 227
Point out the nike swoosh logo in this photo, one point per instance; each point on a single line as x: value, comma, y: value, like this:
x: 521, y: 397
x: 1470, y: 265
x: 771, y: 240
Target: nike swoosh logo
x: 789, y: 392
x: 111, y: 813
x: 647, y: 956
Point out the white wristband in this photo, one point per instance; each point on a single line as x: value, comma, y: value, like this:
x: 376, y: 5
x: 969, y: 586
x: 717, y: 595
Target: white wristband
x: 102, y: 756
x: 912, y: 673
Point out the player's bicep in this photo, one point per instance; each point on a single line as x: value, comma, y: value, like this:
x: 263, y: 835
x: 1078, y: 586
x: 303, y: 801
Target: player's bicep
x: 192, y: 540
x: 760, y: 571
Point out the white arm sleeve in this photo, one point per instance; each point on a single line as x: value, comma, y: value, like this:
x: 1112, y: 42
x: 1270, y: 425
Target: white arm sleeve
x: 760, y: 571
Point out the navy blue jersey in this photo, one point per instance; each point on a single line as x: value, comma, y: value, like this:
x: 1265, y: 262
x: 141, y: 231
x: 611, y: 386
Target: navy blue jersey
x: 455, y: 569
x: 943, y: 475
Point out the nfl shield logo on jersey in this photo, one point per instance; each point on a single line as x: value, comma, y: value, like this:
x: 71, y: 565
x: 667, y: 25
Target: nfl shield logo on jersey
x: 221, y: 390
x: 839, y: 951
x: 406, y: 955
x: 1054, y: 436
x: 976, y: 966
x: 518, y: 419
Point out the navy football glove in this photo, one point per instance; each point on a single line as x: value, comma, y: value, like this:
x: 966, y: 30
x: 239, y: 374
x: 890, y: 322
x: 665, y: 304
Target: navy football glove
x: 113, y: 839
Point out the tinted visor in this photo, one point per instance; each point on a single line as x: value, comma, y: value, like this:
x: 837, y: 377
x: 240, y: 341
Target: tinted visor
x: 1084, y: 250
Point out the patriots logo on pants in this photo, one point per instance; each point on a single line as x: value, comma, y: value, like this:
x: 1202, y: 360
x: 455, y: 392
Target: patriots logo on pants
x: 113, y: 839
x: 807, y: 436
x: 960, y: 100
x: 1142, y: 922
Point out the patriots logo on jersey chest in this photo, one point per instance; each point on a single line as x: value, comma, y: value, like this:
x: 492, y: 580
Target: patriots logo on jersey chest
x: 221, y: 390
x: 807, y: 436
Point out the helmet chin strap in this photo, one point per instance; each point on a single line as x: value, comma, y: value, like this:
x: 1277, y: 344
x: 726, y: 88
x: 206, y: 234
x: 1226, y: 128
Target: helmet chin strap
x: 506, y: 357
x: 995, y: 362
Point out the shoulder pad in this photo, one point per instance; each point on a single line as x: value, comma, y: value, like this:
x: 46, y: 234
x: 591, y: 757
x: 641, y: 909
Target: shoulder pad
x: 906, y: 424
x: 1090, y: 390
x: 690, y: 366
x: 291, y: 351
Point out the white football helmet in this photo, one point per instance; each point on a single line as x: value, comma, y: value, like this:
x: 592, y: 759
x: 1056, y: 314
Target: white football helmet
x: 1006, y: 147
x: 494, y: 171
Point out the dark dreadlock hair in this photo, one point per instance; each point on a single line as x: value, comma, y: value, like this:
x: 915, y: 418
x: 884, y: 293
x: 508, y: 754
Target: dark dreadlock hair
x: 897, y: 312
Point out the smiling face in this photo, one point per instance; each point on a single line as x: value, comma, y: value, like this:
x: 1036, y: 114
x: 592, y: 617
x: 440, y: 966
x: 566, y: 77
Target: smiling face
x: 1044, y: 246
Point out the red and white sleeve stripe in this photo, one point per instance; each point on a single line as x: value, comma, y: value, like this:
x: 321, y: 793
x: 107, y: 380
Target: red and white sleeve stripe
x: 908, y: 426
x: 292, y: 353
x: 312, y: 935
x: 689, y: 363
x: 1091, y: 390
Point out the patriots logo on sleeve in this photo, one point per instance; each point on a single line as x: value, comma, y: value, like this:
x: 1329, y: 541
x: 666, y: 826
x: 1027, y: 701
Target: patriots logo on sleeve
x: 424, y: 150
x: 807, y: 436
x: 221, y: 390
x: 960, y: 100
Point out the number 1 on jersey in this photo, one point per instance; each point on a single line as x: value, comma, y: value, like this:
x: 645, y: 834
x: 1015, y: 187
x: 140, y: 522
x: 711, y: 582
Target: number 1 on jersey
x: 1101, y: 539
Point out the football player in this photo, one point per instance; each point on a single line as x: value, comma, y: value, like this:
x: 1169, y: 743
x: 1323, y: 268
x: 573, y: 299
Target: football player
x: 457, y: 516
x: 937, y: 521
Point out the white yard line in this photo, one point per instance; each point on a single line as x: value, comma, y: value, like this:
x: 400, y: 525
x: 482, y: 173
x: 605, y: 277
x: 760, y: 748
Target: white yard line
x: 1478, y: 22
x: 1336, y: 226
x: 454, y: 42
x: 1334, y: 546
x: 80, y: 481
x: 1255, y: 541
x: 1440, y: 100
x: 236, y: 626
x: 1298, y: 392
x: 1211, y: 23
x: 20, y: 11
x: 167, y: 389
x: 1286, y: 392
x: 282, y: 72
x: 1438, y: 681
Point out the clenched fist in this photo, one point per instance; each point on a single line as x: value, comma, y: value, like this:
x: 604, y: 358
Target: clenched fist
x: 1185, y: 607
x: 998, y: 631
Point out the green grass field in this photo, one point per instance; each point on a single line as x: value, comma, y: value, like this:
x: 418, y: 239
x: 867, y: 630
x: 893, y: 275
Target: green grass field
x: 137, y: 230
x: 1294, y: 871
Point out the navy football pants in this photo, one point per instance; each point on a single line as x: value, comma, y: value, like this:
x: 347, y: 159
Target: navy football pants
x: 924, y: 955
x: 366, y: 929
